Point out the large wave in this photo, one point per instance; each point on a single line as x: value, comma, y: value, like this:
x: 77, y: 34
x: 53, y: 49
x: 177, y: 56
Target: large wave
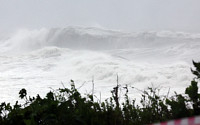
x: 95, y: 39
x: 36, y: 59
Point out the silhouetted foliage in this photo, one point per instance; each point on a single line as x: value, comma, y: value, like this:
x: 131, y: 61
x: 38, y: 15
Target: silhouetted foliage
x: 67, y: 107
x: 197, y: 69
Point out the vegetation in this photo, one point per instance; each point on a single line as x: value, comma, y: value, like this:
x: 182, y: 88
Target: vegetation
x: 67, y: 107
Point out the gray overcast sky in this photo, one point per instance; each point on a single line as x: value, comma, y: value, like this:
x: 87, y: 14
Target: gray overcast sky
x: 134, y: 15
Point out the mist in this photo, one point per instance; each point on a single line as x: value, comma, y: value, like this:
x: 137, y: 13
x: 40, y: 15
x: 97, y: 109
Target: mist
x: 129, y: 15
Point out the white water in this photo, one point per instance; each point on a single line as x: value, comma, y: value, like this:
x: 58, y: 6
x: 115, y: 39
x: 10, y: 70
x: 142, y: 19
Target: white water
x: 40, y: 59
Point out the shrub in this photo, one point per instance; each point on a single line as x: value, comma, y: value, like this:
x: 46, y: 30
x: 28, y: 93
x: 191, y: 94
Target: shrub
x: 67, y: 107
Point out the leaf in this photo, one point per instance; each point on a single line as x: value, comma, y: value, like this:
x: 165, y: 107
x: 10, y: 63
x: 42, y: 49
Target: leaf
x: 22, y: 93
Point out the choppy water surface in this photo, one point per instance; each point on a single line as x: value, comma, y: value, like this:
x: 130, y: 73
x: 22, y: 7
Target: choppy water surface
x: 39, y: 60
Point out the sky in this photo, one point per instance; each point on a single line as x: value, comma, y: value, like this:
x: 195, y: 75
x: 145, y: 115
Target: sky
x: 129, y: 15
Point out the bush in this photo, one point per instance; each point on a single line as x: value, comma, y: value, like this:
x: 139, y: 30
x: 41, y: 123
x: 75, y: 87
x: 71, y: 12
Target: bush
x: 67, y: 107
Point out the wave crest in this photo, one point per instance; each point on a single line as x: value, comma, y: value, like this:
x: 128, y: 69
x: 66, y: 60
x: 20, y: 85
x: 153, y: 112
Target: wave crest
x: 93, y: 39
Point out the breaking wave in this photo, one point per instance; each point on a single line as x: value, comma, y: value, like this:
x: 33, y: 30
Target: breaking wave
x: 36, y: 59
x: 94, y: 39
